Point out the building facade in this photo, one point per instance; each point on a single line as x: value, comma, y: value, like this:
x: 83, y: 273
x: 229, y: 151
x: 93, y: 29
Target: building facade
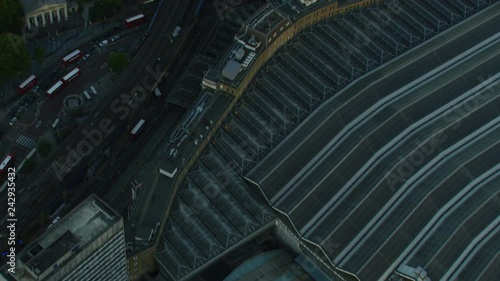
x: 43, y: 12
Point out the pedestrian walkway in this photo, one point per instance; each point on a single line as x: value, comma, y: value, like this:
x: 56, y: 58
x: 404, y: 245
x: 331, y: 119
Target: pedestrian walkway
x: 26, y: 141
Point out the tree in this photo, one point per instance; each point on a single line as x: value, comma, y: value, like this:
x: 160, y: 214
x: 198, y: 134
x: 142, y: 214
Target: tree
x: 39, y: 54
x: 44, y: 147
x: 117, y: 62
x: 14, y: 56
x: 104, y: 9
x: 11, y: 16
x: 30, y: 165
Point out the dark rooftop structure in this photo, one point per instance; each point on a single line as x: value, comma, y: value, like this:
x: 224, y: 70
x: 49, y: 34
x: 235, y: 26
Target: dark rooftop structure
x: 349, y: 172
x: 45, y: 258
x: 322, y: 147
x: 62, y: 242
x: 270, y: 266
x: 231, y: 70
x: 73, y: 101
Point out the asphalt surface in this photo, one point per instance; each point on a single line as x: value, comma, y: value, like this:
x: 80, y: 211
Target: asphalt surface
x: 41, y: 109
x: 119, y: 196
x: 313, y: 197
x: 45, y: 182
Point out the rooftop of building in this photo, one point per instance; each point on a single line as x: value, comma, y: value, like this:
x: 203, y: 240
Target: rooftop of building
x: 73, y: 101
x: 294, y: 82
x: 335, y: 199
x: 30, y: 6
x: 64, y: 239
x: 234, y: 64
x: 270, y: 266
x: 266, y: 18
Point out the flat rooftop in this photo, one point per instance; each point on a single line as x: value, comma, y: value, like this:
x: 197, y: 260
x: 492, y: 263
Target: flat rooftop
x: 61, y: 241
x: 231, y: 68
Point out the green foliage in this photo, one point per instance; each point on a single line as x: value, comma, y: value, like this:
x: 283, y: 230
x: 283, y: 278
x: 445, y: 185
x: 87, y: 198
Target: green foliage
x: 14, y: 56
x: 44, y: 147
x: 115, y: 3
x: 117, y: 62
x: 104, y: 9
x: 11, y: 16
x: 39, y: 54
x: 30, y: 165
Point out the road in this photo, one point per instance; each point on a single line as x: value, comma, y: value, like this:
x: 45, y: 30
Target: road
x: 37, y: 117
x: 42, y: 188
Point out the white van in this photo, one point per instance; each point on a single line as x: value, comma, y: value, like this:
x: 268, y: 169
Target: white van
x: 86, y: 95
x: 176, y: 31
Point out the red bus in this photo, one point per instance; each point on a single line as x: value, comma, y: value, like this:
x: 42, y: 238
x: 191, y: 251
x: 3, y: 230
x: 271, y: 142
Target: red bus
x: 71, y: 75
x: 71, y: 58
x: 6, y: 163
x: 137, y: 129
x: 54, y: 89
x: 134, y: 21
x: 27, y: 85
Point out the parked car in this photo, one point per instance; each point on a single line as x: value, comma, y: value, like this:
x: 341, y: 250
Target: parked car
x: 86, y: 57
x: 13, y: 121
x: 103, y: 43
x: 114, y: 38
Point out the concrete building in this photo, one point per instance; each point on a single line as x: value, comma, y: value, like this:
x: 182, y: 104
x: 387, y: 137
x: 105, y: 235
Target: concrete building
x: 73, y: 105
x: 87, y: 244
x: 44, y: 11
